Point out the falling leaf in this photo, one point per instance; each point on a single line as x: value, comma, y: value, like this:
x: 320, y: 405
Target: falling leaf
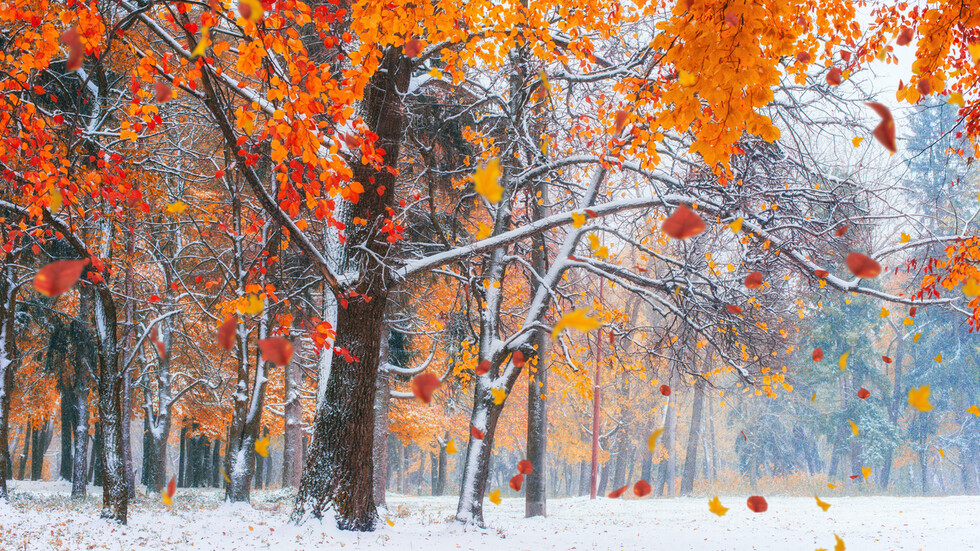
x: 842, y: 361
x: 842, y: 230
x: 942, y: 453
x: 621, y: 118
x: 821, y: 273
x: 524, y: 467
x: 753, y: 280
x: 616, y: 493
x: 516, y: 482
x: 58, y: 276
x: 736, y: 226
x: 224, y: 474
x: 919, y: 398
x: 483, y: 368
x: 971, y: 288
x: 817, y: 354
x: 939, y: 358
x: 904, y: 37
x: 803, y: 57
x: 576, y: 319
x: 831, y: 486
x: 578, y: 220
x: 642, y: 488
x: 865, y: 472
x: 424, y: 385
x: 665, y: 390
x: 652, y: 440
x: 734, y: 309
x: 495, y: 497
x: 905, y: 238
x: 854, y: 428
x: 254, y: 305
x: 262, y: 446
x: 916, y: 337
x: 974, y: 410
x: 476, y: 433
x: 757, y: 504
x: 176, y: 207
x: 226, y: 333
x: 498, y: 395
x: 840, y: 544
x: 886, y: 359
x: 862, y: 266
x: 451, y: 447
x: 686, y: 78
x: 390, y: 522
x: 413, y: 47
x: 277, y: 350
x: 822, y: 504
x: 251, y: 9
x: 168, y: 494
x: 857, y: 141
x: 864, y: 393
x: 76, y: 51
x: 814, y: 398
x: 834, y: 76
x: 202, y: 44
x: 885, y: 131
x: 884, y: 312
x: 715, y: 506
x: 974, y: 50
x: 485, y: 181
x: 54, y: 205
x: 956, y: 99
x: 912, y: 311
x: 684, y: 223
x: 517, y: 359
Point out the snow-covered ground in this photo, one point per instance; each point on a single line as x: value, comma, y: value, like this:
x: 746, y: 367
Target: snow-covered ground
x: 42, y: 517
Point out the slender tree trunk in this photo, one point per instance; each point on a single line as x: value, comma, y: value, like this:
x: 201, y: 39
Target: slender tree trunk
x: 668, y: 467
x: 292, y: 436
x: 693, y: 439
x: 25, y: 451
x: 80, y: 468
x: 42, y: 439
x: 382, y: 401
x: 7, y: 367
x: 95, y: 464
x: 443, y: 465
x: 69, y: 420
x: 182, y: 458
x: 215, y: 465
x: 536, y: 487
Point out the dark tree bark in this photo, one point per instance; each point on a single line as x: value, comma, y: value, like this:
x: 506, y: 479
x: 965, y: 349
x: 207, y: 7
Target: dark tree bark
x: 39, y: 446
x: 95, y: 467
x: 115, y: 493
x: 215, y: 481
x: 693, y: 439
x: 69, y: 420
x: 8, y: 364
x: 182, y: 458
x: 80, y: 468
x: 25, y: 451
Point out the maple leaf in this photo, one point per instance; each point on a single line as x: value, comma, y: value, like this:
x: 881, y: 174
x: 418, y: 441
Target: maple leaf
x: 822, y: 504
x: 866, y: 472
x: 176, y: 207
x: 652, y: 440
x: 495, y: 497
x: 736, y: 226
x: 715, y: 506
x: 451, y: 447
x: 919, y: 398
x: 262, y: 446
x: 905, y: 238
x: 974, y: 410
x: 485, y: 182
x: 840, y: 544
x: 576, y: 319
x: 578, y: 220
x: 499, y: 395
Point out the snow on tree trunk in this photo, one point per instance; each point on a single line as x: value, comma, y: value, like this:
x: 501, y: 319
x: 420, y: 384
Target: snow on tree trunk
x: 79, y: 472
x: 292, y: 450
x: 382, y: 401
x: 476, y: 470
x: 693, y: 440
x: 115, y: 494
x: 7, y: 367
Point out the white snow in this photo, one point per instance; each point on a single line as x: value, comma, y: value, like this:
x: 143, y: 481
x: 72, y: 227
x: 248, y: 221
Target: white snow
x: 45, y: 518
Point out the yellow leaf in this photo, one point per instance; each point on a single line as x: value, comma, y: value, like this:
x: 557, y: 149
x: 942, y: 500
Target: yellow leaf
x: 884, y: 312
x: 495, y: 497
x: 822, y: 504
x: 866, y: 472
x: 451, y: 447
x: 544, y: 80
x: 578, y: 220
x: 974, y: 50
x: 956, y: 98
x: 971, y: 288
x: 831, y: 486
x: 485, y: 181
x: 256, y: 9
x: 686, y: 78
x: 908, y: 321
x: 814, y: 398
x: 262, y: 446
x: 576, y: 319
x: 916, y: 337
x: 857, y: 141
x: 919, y: 398
x: 652, y: 441
x: 483, y: 231
x: 736, y: 226
x: 202, y: 44
x: 854, y: 428
x: 974, y: 410
x: 942, y: 453
x: 390, y: 523
x: 55, y: 204
x: 905, y: 237
x: 840, y: 544
x: 842, y: 362
x: 224, y: 474
x: 498, y: 395
x: 939, y: 358
x: 255, y: 305
x: 715, y: 506
x: 176, y: 207
x: 167, y: 500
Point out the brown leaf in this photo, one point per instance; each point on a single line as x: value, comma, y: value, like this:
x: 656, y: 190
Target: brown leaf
x: 413, y: 47
x: 524, y: 467
x: 76, y: 51
x: 483, y: 368
x: 58, y: 276
x: 665, y: 390
x: 862, y: 266
x: 804, y: 57
x: 163, y: 92
x: 817, y: 354
x: 885, y: 131
x: 842, y: 230
x: 518, y: 358
x: 904, y: 37
x: 886, y: 359
x: 621, y: 118
x: 616, y: 493
x: 734, y: 309
x: 476, y: 433
x: 642, y: 488
x: 863, y: 393
x: 516, y: 482
x: 821, y: 273
x: 753, y: 280
x: 226, y: 333
x: 424, y: 385
x: 683, y: 223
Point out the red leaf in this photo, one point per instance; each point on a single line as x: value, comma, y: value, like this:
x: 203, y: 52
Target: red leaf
x: 524, y: 467
x: 163, y: 92
x: 412, y: 48
x: 172, y: 486
x: 483, y: 368
x: 753, y: 280
x: 424, y: 385
x: 757, y: 504
x: 817, y: 354
x: 642, y: 488
x: 683, y: 223
x: 665, y: 390
x: 924, y: 87
x: 854, y: 476
x: 476, y: 433
x: 73, y: 40
x: 862, y: 266
x: 885, y: 131
x: 154, y: 299
x: 843, y: 229
x: 863, y: 393
x: 621, y: 117
x: 219, y: 173
x: 276, y: 350
x: 821, y: 273
x: 803, y: 57
x: 886, y: 359
x: 226, y: 333
x: 835, y: 76
x: 518, y: 358
x: 516, y: 482
x: 912, y: 311
x: 845, y: 55
x: 734, y: 309
x: 58, y: 276
x: 616, y: 493
x: 904, y: 37
x: 591, y: 213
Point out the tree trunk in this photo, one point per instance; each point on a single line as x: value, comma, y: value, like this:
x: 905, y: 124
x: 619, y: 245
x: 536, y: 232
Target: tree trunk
x: 536, y: 486
x: 693, y: 439
x: 479, y: 453
x: 95, y: 464
x: 80, y: 468
x: 115, y: 494
x: 69, y: 420
x: 668, y: 467
x: 182, y: 458
x: 42, y: 439
x: 382, y: 401
x: 7, y: 367
x: 340, y: 469
x: 292, y: 436
x: 443, y: 465
x: 215, y: 465
x: 24, y: 452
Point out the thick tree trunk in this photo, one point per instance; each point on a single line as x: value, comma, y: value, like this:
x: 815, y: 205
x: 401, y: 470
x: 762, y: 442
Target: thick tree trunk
x: 536, y: 487
x: 693, y: 439
x: 339, y: 472
x: 115, y: 494
x: 382, y: 401
x: 292, y: 436
x: 25, y: 451
x: 478, y: 456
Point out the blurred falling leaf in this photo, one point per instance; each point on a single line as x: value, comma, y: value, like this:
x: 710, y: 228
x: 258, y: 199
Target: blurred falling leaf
x: 753, y: 280
x: 618, y: 492
x: 864, y: 394
x: 525, y: 467
x: 485, y: 181
x: 56, y: 200
x: 262, y: 446
x: 168, y: 494
x: 822, y: 504
x: 483, y: 367
x: 715, y: 506
x: 862, y: 265
x: 842, y: 361
x: 854, y: 428
x: 684, y: 223
x: 916, y: 337
x: 642, y: 488
x: 757, y: 504
x: 451, y: 447
x: 919, y: 398
x: 885, y: 131
x: 516, y: 482
x: 971, y: 288
x: 424, y: 385
x: 652, y: 441
x: 974, y: 410
x: 277, y: 350
x: 58, y: 276
x: 865, y: 472
x: 226, y: 333
x: 736, y: 226
x: 176, y: 207
x: 495, y: 497
x: 817, y: 354
x: 498, y: 395
x: 576, y: 319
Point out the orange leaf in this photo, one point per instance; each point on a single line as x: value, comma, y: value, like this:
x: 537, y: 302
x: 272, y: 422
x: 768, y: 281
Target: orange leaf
x: 834, y: 76
x: 483, y: 368
x: 642, y: 488
x: 616, y: 493
x: 886, y: 359
x: 518, y: 358
x: 524, y: 467
x: 516, y: 482
x: 621, y: 117
x: 840, y: 232
x: 58, y: 276
x: 863, y: 394
x: 757, y: 504
x: 476, y: 433
x: 863, y: 266
x: 753, y: 280
x: 413, y: 47
x: 904, y: 37
x: 665, y: 390
x: 276, y: 350
x: 73, y: 40
x: 734, y: 309
x: 226, y: 333
x: 683, y: 223
x: 821, y: 273
x: 424, y: 385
